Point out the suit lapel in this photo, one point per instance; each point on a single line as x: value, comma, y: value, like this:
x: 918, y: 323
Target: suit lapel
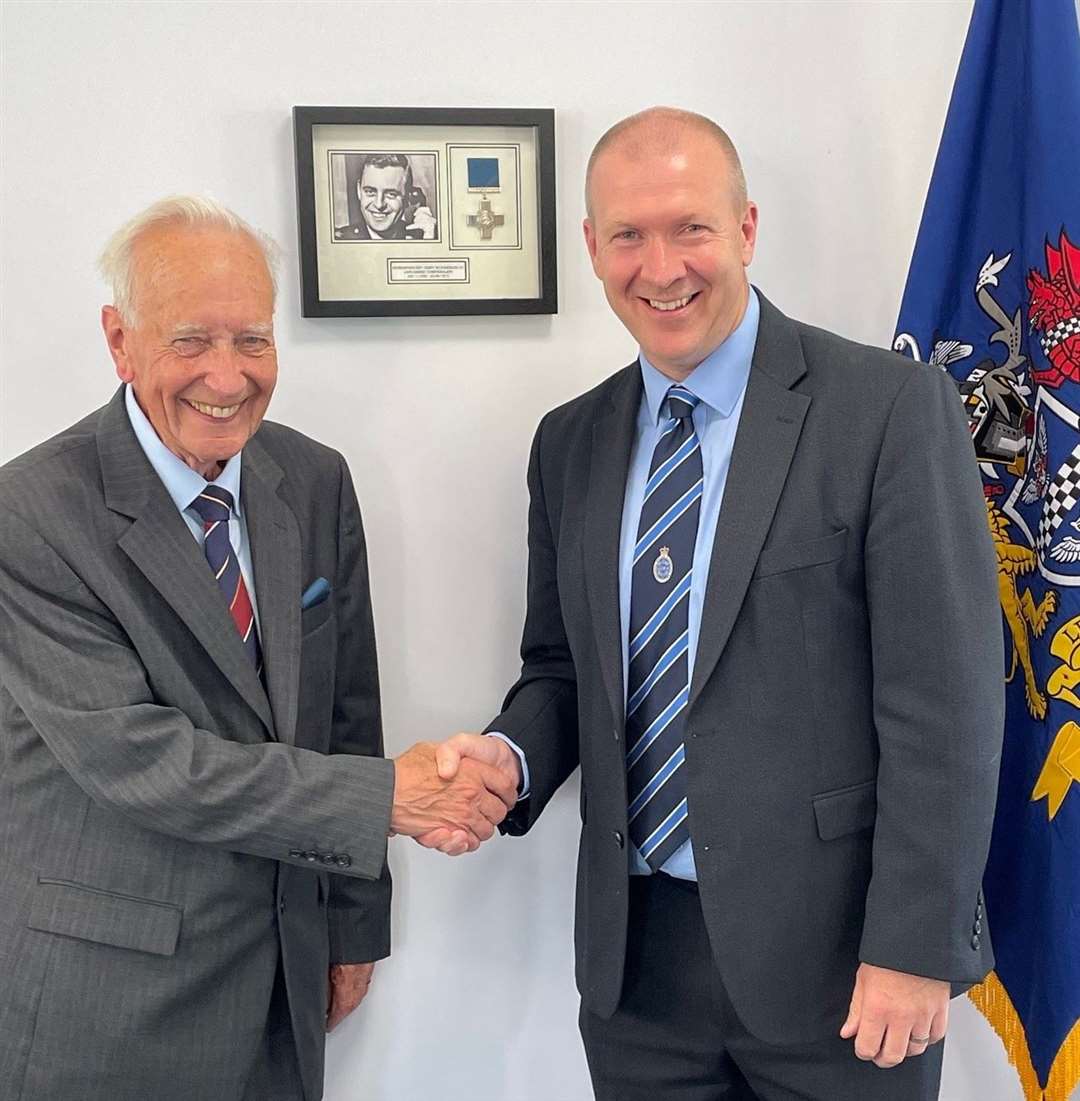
x: 275, y: 553
x: 769, y: 428
x: 159, y: 543
x: 613, y: 438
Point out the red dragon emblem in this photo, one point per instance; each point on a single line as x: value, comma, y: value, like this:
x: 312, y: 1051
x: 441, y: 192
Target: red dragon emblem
x: 1054, y: 310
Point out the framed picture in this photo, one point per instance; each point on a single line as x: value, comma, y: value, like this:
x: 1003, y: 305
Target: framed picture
x: 425, y: 210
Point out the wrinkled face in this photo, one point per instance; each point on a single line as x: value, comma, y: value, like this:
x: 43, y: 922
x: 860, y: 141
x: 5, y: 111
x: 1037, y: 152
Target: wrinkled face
x: 671, y: 247
x: 382, y: 196
x: 201, y: 360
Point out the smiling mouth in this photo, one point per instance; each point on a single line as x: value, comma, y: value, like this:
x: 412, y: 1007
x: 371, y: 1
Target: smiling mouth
x: 670, y: 305
x: 217, y: 412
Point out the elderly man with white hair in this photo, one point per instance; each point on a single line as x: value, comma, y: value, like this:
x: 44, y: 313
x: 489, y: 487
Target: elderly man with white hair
x: 194, y: 805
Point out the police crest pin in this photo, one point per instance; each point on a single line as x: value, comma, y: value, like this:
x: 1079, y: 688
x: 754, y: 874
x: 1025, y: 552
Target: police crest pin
x: 663, y: 567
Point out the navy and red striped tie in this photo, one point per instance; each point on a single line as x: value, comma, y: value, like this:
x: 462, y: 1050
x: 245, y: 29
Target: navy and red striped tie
x: 215, y: 505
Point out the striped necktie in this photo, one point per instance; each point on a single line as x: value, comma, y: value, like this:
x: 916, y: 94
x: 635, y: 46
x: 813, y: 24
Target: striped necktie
x: 658, y: 676
x: 215, y: 505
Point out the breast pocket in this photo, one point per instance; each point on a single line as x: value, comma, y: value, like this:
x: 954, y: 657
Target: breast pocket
x: 785, y: 557
x: 314, y: 617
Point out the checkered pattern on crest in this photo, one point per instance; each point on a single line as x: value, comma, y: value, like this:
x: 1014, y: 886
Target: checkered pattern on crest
x: 1061, y: 498
x: 1059, y: 333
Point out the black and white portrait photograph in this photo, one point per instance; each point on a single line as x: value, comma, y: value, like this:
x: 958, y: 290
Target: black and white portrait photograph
x: 384, y: 196
x: 462, y: 199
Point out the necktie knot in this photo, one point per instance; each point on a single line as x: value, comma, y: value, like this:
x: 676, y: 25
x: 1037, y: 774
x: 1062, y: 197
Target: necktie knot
x: 214, y: 505
x: 681, y: 402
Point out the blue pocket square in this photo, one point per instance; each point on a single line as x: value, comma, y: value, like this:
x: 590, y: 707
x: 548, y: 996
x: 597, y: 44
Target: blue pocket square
x: 315, y: 593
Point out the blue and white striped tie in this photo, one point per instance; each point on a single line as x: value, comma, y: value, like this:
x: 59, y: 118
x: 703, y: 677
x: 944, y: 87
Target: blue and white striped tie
x: 658, y: 679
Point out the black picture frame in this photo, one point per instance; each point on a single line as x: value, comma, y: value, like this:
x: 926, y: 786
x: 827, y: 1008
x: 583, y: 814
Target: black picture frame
x: 456, y: 260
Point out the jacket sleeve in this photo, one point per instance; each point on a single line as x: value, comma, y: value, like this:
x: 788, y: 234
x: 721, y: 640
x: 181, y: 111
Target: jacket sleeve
x: 540, y: 712
x: 359, y: 910
x: 936, y: 642
x: 69, y: 666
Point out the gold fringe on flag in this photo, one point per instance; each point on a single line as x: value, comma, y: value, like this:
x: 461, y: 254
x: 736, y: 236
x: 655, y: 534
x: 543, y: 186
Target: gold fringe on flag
x: 993, y: 1002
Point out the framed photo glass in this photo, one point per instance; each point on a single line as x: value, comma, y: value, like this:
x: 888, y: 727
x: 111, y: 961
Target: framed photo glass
x: 413, y: 211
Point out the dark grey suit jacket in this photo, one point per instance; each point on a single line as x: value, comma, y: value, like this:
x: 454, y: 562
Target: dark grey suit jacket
x: 167, y: 826
x: 846, y: 709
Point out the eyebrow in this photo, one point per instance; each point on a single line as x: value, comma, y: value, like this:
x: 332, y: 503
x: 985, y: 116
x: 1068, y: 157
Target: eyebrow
x: 187, y: 329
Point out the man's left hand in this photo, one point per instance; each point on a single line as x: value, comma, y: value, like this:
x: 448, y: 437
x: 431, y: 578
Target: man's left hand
x: 894, y: 1015
x: 349, y: 983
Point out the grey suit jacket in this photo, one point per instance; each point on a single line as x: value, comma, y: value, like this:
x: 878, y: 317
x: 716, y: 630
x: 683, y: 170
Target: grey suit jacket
x: 846, y: 709
x: 168, y: 828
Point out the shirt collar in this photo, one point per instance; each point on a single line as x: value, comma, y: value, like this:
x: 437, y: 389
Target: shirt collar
x: 181, y: 482
x: 720, y: 378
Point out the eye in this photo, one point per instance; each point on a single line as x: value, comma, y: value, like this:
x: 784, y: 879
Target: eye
x: 252, y: 345
x: 693, y: 227
x: 188, y: 346
x: 368, y: 192
x: 626, y: 235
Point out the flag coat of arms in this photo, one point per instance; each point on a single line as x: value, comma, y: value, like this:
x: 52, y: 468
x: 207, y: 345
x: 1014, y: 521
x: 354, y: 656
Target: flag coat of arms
x: 993, y: 297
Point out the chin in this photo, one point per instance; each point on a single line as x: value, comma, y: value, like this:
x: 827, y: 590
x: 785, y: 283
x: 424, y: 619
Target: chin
x: 218, y: 450
x: 674, y: 353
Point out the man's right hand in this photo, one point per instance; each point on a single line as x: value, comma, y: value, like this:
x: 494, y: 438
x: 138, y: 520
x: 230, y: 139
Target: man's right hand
x: 465, y: 750
x: 467, y: 806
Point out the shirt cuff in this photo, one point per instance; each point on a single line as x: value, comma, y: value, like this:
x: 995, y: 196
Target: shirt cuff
x: 523, y: 788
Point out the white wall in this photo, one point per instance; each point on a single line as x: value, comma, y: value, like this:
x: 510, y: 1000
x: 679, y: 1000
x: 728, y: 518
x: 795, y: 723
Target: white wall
x: 837, y: 108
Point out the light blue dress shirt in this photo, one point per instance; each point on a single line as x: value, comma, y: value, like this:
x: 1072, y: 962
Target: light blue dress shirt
x: 184, y: 484
x: 720, y: 381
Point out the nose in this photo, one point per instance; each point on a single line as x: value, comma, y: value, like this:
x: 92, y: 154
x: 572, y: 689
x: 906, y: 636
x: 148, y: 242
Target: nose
x: 661, y: 264
x: 225, y: 374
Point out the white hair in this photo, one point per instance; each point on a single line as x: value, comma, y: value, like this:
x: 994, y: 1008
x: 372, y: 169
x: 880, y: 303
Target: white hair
x: 115, y: 262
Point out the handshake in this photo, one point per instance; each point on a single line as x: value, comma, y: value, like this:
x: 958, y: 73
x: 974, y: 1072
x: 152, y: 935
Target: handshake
x: 451, y: 796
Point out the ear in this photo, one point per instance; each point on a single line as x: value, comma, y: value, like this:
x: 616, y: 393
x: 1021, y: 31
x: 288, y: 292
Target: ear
x: 748, y: 230
x: 591, y: 243
x: 117, y: 334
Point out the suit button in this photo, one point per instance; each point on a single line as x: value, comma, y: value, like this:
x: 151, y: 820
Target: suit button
x: 978, y: 926
x: 281, y: 905
x: 615, y: 733
x: 343, y: 860
x: 311, y: 856
x: 975, y: 942
x: 327, y: 858
x: 619, y: 838
x: 296, y: 854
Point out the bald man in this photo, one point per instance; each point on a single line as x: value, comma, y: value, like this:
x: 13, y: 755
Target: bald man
x: 762, y: 618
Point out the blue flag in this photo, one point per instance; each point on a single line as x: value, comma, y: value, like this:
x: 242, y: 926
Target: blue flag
x: 993, y: 297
